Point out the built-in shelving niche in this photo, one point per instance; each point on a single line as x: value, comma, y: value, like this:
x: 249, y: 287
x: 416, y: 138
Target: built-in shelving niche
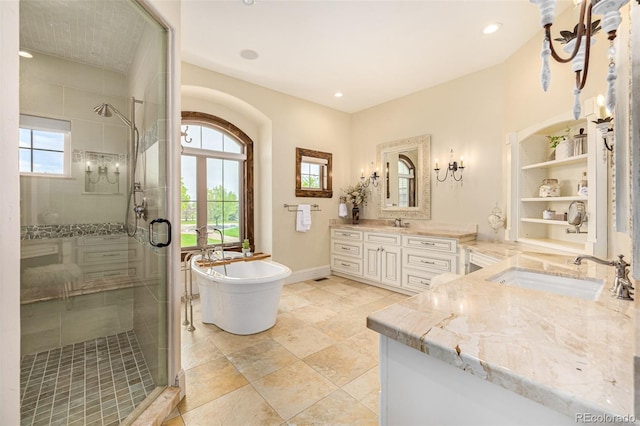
x: 103, y: 172
x: 530, y: 164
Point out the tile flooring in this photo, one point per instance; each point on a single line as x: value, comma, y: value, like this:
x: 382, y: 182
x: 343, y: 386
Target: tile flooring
x: 98, y: 382
x: 317, y: 365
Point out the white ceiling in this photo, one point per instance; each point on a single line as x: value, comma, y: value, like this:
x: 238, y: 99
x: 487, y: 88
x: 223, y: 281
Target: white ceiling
x: 372, y: 51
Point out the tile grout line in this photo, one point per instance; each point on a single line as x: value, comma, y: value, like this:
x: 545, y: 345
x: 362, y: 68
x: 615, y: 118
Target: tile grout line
x: 126, y: 372
x: 99, y: 380
x: 55, y: 387
x: 113, y: 378
x: 35, y: 409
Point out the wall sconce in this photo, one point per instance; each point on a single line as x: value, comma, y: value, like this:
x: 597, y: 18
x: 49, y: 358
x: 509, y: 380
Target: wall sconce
x: 372, y: 179
x: 103, y: 172
x: 452, y: 167
x: 578, y: 43
x: 605, y: 126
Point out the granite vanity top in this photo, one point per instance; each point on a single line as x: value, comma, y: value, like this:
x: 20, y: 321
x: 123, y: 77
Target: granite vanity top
x: 569, y: 354
x: 431, y: 229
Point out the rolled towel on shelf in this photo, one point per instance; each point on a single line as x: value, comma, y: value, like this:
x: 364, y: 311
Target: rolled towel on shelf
x: 342, y: 210
x: 303, y: 218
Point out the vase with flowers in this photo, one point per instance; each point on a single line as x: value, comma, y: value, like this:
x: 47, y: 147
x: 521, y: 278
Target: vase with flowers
x: 356, y: 195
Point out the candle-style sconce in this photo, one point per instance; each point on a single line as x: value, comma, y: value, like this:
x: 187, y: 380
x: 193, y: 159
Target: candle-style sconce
x: 456, y: 169
x: 372, y: 179
x: 605, y: 126
x: 102, y: 173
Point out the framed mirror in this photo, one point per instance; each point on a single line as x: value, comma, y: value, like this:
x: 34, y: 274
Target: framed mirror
x: 405, y: 181
x: 313, y: 173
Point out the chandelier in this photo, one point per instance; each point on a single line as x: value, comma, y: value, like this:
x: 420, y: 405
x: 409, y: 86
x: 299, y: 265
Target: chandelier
x: 578, y: 44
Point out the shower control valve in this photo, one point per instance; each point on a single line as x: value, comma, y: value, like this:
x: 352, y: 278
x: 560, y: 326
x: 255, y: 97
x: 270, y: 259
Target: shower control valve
x: 141, y: 209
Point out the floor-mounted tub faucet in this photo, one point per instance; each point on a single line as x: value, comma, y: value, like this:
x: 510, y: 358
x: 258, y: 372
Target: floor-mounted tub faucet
x: 218, y: 230
x: 621, y: 284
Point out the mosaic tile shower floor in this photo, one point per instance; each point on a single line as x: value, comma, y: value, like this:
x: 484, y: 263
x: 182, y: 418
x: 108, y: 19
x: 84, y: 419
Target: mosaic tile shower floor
x: 97, y: 382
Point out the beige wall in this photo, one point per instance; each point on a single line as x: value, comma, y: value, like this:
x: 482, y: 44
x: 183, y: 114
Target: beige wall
x: 465, y: 115
x: 277, y: 124
x: 471, y: 115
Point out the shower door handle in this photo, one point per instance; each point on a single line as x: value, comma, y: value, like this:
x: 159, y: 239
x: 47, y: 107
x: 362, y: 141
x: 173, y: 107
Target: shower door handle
x: 153, y: 243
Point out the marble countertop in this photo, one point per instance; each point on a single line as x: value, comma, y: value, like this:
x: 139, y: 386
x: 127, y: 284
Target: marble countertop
x: 569, y: 354
x: 462, y: 233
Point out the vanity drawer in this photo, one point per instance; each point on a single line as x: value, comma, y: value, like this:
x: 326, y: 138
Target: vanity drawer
x: 481, y: 259
x: 92, y: 240
x: 343, y: 234
x: 110, y: 256
x: 346, y: 247
x: 427, y: 261
x: 346, y: 265
x: 444, y: 245
x: 416, y: 280
x: 116, y: 271
x: 387, y: 239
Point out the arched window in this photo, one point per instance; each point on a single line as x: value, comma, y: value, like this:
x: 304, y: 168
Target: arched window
x: 217, y: 182
x: 406, y: 182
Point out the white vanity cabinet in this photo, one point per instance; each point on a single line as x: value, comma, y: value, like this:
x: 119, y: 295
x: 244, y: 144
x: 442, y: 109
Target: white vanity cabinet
x: 346, y: 251
x: 397, y: 261
x: 425, y: 257
x: 382, y: 258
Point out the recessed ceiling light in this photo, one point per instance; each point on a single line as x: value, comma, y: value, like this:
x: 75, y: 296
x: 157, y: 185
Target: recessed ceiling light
x: 25, y: 54
x: 249, y: 2
x: 338, y: 94
x: 249, y: 54
x: 492, y: 28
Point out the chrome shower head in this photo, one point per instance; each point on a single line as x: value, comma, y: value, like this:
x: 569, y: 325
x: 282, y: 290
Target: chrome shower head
x: 102, y: 110
x: 107, y: 110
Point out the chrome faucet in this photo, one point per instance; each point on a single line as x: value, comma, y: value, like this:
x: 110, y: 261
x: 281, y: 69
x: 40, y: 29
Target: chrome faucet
x: 621, y: 284
x: 218, y: 230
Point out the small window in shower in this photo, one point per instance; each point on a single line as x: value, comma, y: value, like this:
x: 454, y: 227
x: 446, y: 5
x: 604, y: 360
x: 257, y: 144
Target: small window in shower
x: 44, y: 146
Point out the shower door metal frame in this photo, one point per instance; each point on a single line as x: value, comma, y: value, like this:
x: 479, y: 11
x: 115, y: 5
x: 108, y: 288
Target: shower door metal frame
x: 175, y: 371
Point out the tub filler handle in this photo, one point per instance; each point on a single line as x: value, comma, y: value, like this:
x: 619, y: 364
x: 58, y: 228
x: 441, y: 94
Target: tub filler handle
x: 151, y: 241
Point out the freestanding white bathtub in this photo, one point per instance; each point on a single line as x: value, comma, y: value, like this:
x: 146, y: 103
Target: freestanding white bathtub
x: 245, y: 299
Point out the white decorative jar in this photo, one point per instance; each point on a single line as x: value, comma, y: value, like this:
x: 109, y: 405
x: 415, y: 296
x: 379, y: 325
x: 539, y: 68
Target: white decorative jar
x: 564, y: 149
x: 549, y: 188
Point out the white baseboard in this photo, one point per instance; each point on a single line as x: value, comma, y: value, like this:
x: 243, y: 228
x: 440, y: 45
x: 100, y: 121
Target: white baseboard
x: 309, y: 274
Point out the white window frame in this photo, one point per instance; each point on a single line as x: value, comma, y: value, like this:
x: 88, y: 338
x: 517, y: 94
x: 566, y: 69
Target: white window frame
x: 52, y: 125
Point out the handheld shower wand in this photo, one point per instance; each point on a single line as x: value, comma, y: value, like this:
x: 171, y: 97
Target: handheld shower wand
x: 108, y: 110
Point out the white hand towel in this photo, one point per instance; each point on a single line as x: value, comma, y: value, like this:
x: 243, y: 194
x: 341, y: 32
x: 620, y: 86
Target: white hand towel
x: 303, y: 218
x: 342, y: 210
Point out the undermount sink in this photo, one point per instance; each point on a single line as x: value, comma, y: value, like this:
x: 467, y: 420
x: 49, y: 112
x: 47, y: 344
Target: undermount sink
x: 582, y: 288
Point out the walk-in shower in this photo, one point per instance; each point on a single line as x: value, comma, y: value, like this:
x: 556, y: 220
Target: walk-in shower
x: 139, y: 209
x: 93, y: 287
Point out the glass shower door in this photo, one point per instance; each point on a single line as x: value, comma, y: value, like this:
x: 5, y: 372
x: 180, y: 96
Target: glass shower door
x: 94, y: 253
